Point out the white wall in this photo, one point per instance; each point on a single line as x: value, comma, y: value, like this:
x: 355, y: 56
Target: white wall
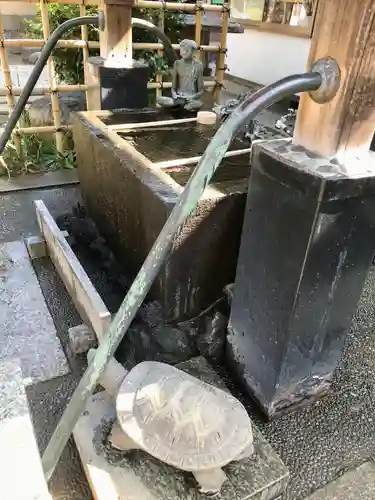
x: 265, y: 57
x: 17, y: 8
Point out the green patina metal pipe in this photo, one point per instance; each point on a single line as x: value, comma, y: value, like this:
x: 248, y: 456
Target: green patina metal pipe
x: 187, y: 202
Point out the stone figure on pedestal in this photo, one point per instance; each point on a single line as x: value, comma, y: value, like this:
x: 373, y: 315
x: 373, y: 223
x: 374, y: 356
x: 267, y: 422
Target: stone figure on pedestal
x: 187, y: 80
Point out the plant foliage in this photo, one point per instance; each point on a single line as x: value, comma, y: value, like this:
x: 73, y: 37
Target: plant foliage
x: 37, y: 155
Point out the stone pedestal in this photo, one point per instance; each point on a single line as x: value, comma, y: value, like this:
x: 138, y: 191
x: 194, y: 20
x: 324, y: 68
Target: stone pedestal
x: 307, y: 243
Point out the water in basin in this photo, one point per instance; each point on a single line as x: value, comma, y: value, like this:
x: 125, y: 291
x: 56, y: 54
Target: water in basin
x: 175, y: 141
x: 231, y: 176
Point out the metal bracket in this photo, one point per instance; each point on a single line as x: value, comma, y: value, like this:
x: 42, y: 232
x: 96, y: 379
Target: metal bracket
x: 330, y: 72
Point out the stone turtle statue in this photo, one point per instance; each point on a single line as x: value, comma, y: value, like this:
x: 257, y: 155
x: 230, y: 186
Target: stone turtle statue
x: 178, y: 419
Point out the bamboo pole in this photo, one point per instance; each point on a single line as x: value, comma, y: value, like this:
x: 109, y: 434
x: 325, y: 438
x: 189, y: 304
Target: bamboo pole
x: 42, y: 130
x: 159, y: 79
x: 44, y: 90
x: 86, y: 52
x: 193, y: 160
x: 198, y: 27
x: 168, y: 85
x: 80, y: 44
x: 8, y: 81
x: 53, y: 81
x: 75, y: 88
x: 135, y: 126
x: 142, y: 4
x: 184, y: 7
x: 220, y: 68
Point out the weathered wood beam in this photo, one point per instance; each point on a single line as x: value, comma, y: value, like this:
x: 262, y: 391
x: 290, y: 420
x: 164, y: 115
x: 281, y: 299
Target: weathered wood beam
x: 344, y: 127
x: 116, y: 38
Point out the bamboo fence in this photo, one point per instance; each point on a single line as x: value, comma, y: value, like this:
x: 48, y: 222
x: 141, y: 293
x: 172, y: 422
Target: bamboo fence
x: 54, y: 88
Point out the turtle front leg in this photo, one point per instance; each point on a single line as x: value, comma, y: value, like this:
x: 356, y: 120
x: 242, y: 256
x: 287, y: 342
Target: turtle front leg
x: 120, y: 440
x: 210, y: 481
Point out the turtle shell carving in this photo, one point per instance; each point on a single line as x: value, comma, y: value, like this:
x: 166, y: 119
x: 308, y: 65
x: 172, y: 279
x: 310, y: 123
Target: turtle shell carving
x: 181, y: 420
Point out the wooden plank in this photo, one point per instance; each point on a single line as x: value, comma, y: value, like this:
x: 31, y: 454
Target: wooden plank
x: 84, y: 295
x: 345, y: 31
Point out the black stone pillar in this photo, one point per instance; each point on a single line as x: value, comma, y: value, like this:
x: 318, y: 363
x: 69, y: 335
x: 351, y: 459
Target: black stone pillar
x: 121, y: 87
x: 307, y: 243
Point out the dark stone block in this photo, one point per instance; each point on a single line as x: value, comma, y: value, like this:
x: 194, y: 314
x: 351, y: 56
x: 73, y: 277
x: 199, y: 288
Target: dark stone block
x: 122, y: 87
x: 307, y: 244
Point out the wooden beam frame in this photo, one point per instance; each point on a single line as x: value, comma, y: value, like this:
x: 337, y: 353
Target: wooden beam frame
x: 344, y: 127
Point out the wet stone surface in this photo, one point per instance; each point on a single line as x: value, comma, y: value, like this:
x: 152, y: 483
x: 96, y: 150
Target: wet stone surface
x: 317, y: 443
x: 47, y: 401
x: 148, y: 338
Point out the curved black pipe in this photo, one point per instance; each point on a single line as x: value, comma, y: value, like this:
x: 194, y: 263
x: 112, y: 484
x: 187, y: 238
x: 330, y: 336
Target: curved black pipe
x: 37, y: 71
x: 188, y: 200
x: 168, y: 47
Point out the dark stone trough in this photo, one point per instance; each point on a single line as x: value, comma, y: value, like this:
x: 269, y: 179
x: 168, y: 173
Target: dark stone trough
x: 130, y: 196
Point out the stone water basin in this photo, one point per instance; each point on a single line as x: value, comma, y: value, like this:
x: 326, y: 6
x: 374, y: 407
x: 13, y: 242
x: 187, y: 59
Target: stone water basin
x: 130, y: 181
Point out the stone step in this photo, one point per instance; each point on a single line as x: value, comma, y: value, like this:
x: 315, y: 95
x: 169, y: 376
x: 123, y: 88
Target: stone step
x: 27, y: 329
x: 21, y: 473
x: 357, y: 484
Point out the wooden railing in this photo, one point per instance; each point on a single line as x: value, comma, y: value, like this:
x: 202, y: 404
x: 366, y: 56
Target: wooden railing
x: 55, y: 87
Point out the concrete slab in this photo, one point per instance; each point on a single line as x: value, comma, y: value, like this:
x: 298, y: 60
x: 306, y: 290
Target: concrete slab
x: 17, y: 212
x: 26, y: 326
x: 47, y: 401
x: 38, y: 181
x: 357, y: 484
x: 22, y: 475
x: 137, y: 476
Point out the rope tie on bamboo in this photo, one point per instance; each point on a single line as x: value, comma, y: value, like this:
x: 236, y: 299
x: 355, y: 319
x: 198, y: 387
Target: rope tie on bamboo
x: 164, y: 5
x: 222, y: 50
x: 9, y: 89
x: 226, y: 9
x: 219, y: 85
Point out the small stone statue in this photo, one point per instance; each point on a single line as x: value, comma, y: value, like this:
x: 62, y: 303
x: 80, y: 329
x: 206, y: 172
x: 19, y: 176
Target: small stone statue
x: 187, y: 80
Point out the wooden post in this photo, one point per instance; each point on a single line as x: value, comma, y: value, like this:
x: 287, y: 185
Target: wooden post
x: 116, y: 38
x: 220, y: 69
x: 344, y: 127
x: 115, y: 45
x: 86, y: 52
